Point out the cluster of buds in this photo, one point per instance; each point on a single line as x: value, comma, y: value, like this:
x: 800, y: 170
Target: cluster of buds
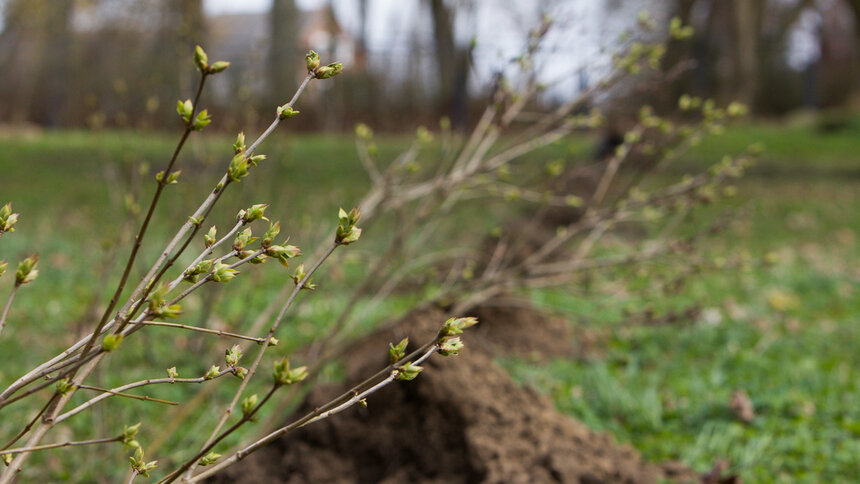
x: 185, y: 109
x: 280, y: 252
x: 449, y: 342
x: 283, y: 253
x: 244, y: 239
x: 678, y: 31
x: 347, y: 232
x: 240, y: 164
x: 450, y: 346
x: 286, y: 112
x: 158, y: 306
x: 27, y: 271
x: 223, y: 273
x: 172, y: 177
x: 203, y: 267
x: 232, y: 357
x: 201, y: 60
x: 7, y: 218
x: 139, y: 465
x: 639, y: 52
x: 284, y: 375
x: 254, y: 212
x: 129, y: 434
x: 398, y: 351
x: 312, y: 60
x: 300, y: 275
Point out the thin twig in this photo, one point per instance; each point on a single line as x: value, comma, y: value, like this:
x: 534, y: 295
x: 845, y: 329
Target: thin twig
x: 8, y: 305
x: 151, y: 381
x: 34, y: 448
x: 202, y: 330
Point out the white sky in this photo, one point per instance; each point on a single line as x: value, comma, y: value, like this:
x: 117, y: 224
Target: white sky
x: 577, y: 42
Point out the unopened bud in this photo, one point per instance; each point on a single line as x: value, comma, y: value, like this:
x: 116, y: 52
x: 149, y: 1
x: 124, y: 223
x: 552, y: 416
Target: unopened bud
x: 27, y: 271
x: 111, y: 342
x: 248, y: 404
x: 328, y: 71
x: 217, y: 67
x: 312, y: 59
x: 201, y: 60
x: 408, y: 371
x: 212, y: 373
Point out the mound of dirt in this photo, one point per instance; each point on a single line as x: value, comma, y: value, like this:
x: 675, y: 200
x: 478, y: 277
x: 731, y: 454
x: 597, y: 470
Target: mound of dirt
x: 463, y: 420
x: 517, y: 330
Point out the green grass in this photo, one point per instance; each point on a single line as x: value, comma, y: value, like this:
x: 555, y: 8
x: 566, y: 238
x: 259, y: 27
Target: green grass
x: 782, y: 326
x: 787, y: 314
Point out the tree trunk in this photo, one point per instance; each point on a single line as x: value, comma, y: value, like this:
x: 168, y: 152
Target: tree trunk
x: 453, y: 63
x: 283, y: 50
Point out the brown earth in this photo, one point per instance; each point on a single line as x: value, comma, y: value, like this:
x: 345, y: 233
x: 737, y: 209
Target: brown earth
x: 463, y: 420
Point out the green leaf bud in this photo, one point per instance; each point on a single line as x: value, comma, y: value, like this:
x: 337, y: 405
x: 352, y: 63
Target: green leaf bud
x: 363, y: 131
x: 64, y: 386
x: 223, y: 273
x: 111, y: 342
x: 244, y: 238
x: 219, y: 66
x: 248, y: 404
x: 256, y: 159
x: 214, y: 370
x: 328, y: 71
x: 211, y: 237
x: 201, y: 120
x: 255, y: 212
x: 27, y: 271
x: 201, y: 60
x: 7, y: 218
x: 397, y: 352
x: 272, y: 232
x: 209, y: 459
x: 239, y: 145
x: 286, y: 112
x: 450, y: 346
x: 129, y: 432
x: 455, y: 326
x: 408, y: 371
x: 238, y: 168
x: 312, y: 60
x: 185, y: 109
x: 232, y: 355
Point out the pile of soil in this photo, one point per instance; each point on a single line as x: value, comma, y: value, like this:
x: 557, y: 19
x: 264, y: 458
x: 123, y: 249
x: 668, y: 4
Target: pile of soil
x: 463, y: 420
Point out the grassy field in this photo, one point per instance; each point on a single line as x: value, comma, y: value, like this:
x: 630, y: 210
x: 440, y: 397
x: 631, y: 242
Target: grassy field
x: 776, y: 310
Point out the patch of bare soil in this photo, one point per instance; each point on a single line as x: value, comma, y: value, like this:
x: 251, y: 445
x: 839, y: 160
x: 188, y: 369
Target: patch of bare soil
x: 463, y: 420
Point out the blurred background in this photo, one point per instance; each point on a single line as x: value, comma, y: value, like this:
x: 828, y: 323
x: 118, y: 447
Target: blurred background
x: 656, y: 355
x: 118, y: 63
